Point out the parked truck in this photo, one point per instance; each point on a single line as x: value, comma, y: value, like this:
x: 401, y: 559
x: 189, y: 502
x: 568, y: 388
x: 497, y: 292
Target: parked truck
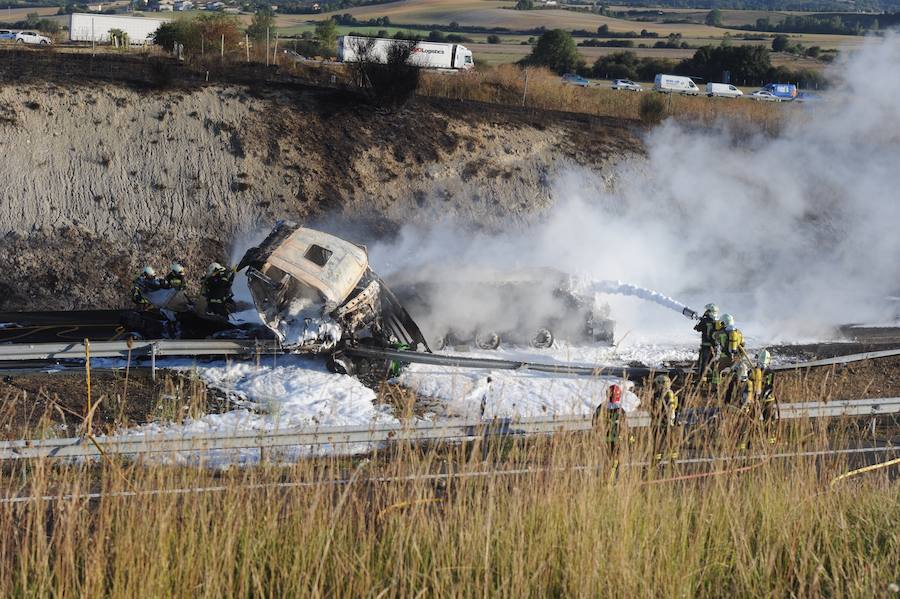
x: 85, y: 27
x: 785, y: 91
x: 427, y: 55
x: 674, y: 84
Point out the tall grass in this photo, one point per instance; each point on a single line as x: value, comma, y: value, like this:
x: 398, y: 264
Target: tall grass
x: 505, y: 84
x: 575, y: 521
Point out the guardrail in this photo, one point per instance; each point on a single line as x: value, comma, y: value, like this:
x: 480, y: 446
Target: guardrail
x: 444, y: 430
x: 76, y: 350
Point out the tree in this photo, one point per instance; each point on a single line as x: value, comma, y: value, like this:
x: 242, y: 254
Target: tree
x: 524, y: 4
x: 203, y: 34
x: 493, y: 39
x: 32, y: 19
x: 555, y: 49
x: 746, y: 63
x: 603, y: 29
x: 262, y: 23
x: 714, y: 18
x: 780, y: 43
x: 326, y: 35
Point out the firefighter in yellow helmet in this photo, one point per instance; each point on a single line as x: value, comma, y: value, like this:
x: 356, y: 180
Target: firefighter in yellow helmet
x: 663, y: 418
x: 764, y: 386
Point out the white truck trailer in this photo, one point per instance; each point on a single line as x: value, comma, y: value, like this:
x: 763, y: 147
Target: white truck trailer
x: 673, y: 84
x: 84, y: 27
x: 426, y: 55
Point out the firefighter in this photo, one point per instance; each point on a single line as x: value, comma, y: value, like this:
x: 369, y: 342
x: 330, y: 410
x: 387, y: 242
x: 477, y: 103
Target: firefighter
x: 216, y: 289
x: 176, y: 279
x: 729, y: 342
x: 740, y: 389
x: 764, y: 387
x: 610, y: 415
x: 664, y: 414
x: 707, y: 327
x: 144, y: 284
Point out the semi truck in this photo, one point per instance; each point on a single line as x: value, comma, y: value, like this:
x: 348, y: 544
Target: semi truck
x: 674, y: 84
x: 426, y: 55
x: 85, y: 27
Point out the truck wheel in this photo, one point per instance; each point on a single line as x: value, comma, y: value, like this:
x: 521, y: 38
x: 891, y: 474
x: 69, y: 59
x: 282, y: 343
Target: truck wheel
x: 489, y: 340
x: 542, y: 339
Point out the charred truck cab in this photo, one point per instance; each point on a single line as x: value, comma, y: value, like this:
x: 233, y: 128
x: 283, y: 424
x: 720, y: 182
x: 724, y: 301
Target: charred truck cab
x: 317, y: 293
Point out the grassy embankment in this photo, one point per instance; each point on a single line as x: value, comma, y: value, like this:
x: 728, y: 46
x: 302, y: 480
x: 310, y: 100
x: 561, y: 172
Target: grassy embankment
x: 568, y: 524
x: 506, y: 85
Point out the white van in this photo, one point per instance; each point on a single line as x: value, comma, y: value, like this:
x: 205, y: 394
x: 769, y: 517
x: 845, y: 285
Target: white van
x: 723, y: 90
x: 673, y: 84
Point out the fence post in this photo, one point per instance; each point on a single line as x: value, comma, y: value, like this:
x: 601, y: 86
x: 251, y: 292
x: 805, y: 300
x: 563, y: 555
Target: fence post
x: 267, y: 46
x: 247, y: 45
x: 222, y: 51
x: 525, y: 91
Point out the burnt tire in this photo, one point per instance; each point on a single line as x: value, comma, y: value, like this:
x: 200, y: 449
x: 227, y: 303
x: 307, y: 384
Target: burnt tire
x: 487, y: 340
x: 542, y: 339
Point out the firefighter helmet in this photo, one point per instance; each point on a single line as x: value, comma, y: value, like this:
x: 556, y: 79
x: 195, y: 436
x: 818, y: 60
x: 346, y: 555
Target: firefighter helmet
x: 149, y: 271
x: 763, y: 358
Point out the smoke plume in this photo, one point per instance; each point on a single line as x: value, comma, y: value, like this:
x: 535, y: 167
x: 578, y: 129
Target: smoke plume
x: 793, y: 233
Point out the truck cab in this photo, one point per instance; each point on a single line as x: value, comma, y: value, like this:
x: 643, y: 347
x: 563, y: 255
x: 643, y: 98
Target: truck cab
x: 313, y: 289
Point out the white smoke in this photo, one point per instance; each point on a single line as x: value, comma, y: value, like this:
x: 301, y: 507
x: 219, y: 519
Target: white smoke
x: 793, y: 234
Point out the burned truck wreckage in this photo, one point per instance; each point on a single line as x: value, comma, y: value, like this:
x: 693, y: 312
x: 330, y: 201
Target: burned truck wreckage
x: 316, y: 293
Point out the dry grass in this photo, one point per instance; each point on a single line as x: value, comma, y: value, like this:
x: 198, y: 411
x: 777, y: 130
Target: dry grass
x: 571, y: 523
x: 506, y: 85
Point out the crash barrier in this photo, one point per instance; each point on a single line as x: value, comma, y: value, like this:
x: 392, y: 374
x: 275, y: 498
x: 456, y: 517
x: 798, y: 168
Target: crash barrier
x: 77, y: 350
x: 159, y: 348
x: 756, y: 459
x: 444, y: 430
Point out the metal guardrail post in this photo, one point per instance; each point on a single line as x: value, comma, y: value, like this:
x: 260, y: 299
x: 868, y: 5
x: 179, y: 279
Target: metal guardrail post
x: 153, y: 362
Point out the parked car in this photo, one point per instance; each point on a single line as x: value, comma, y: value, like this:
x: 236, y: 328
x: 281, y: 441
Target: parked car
x: 573, y: 79
x: 32, y: 37
x: 764, y: 96
x: 626, y: 85
x: 6, y: 35
x: 723, y: 90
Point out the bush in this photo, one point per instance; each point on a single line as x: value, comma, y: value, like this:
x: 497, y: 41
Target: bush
x: 203, y: 34
x: 493, y: 39
x: 652, y: 109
